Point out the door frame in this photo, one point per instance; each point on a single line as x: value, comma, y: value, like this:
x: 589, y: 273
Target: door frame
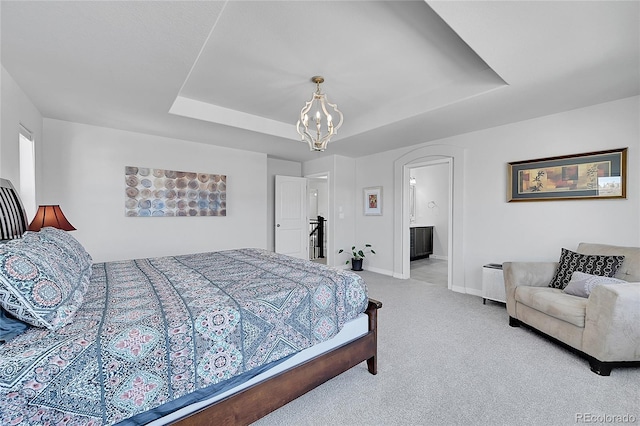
x: 401, y: 265
x: 449, y: 162
x: 330, y: 229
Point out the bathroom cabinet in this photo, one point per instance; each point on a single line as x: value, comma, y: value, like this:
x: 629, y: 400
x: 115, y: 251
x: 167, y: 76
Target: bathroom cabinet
x: 421, y: 241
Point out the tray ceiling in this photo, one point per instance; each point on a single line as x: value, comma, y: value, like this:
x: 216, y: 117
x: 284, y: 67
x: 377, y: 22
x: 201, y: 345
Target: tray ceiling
x: 237, y: 73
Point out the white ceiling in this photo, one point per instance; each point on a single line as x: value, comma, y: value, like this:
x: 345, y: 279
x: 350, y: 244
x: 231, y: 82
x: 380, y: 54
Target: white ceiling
x: 237, y: 73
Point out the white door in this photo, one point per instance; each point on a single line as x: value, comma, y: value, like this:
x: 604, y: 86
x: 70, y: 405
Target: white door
x: 292, y: 224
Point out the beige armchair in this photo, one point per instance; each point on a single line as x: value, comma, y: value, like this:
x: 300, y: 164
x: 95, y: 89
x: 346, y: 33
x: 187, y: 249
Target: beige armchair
x: 604, y: 327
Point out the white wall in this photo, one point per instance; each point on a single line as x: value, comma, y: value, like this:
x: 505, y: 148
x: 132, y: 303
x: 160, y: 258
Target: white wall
x: 497, y: 231
x: 376, y: 170
x: 432, y: 203
x: 83, y: 171
x: 16, y: 109
x: 277, y: 167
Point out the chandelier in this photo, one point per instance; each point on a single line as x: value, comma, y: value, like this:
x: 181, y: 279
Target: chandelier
x: 322, y: 124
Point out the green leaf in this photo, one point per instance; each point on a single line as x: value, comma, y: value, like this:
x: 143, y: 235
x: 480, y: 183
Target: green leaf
x: 373, y: 252
x: 367, y: 245
x: 340, y: 251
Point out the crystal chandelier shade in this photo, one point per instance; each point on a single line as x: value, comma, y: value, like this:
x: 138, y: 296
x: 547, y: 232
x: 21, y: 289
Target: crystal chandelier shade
x: 318, y: 130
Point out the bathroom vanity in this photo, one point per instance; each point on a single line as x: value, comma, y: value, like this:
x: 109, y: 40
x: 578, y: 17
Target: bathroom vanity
x: 421, y: 238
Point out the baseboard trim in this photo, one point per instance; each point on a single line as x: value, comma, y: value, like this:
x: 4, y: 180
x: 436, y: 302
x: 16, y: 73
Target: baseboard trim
x: 458, y: 289
x: 376, y: 270
x: 439, y: 257
x: 473, y: 291
x: 380, y: 271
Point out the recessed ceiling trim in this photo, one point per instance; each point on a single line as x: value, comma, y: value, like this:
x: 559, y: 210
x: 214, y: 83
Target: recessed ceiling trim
x: 479, y: 83
x: 483, y: 82
x: 199, y: 110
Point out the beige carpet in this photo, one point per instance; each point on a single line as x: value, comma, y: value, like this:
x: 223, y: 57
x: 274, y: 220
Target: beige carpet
x: 447, y: 359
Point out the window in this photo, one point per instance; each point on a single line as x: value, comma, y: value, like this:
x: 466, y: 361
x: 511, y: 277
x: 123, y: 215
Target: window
x: 27, y: 172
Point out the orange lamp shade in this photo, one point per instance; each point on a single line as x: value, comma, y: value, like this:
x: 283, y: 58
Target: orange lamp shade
x: 50, y: 216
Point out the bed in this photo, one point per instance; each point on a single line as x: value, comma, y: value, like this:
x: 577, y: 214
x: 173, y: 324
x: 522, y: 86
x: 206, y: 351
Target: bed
x: 209, y: 338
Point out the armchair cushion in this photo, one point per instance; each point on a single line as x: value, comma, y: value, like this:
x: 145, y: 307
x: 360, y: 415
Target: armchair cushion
x: 553, y: 302
x: 582, y: 284
x: 570, y: 262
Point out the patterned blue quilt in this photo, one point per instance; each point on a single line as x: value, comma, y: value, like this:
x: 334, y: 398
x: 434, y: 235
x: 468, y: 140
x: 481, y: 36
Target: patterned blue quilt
x: 153, y: 330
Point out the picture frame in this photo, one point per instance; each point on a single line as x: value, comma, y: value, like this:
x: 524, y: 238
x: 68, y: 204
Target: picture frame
x: 592, y: 175
x: 373, y: 201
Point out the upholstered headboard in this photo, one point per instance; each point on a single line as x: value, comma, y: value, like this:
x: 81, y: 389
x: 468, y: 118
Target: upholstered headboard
x: 13, y: 219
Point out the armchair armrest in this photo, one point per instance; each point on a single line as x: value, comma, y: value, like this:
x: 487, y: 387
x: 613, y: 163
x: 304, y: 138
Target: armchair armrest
x: 537, y: 274
x: 612, y: 323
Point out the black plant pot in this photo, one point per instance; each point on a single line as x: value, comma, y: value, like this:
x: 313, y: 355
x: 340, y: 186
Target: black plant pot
x: 356, y: 264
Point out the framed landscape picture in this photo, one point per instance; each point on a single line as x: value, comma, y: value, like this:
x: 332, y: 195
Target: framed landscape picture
x: 598, y: 175
x: 373, y: 201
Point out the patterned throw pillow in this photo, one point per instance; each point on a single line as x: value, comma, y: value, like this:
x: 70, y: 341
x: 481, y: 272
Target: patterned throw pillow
x: 582, y: 284
x: 605, y: 266
x: 38, y: 284
x: 69, y: 245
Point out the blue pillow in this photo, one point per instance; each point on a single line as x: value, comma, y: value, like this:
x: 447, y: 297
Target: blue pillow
x: 10, y: 327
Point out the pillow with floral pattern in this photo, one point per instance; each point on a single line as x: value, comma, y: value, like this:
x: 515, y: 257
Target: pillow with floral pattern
x: 35, y: 283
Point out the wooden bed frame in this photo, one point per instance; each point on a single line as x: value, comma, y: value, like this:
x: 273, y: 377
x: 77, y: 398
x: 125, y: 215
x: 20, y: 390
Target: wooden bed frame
x: 257, y: 401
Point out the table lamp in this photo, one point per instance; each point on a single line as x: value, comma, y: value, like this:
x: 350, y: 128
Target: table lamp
x: 50, y: 215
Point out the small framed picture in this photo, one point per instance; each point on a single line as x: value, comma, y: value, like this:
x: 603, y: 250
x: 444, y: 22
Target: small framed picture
x: 373, y: 201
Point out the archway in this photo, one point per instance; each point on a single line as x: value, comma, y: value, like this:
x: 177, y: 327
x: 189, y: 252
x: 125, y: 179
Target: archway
x: 402, y: 165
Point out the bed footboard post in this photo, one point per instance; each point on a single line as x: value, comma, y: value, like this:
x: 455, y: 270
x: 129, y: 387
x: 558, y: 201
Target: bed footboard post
x: 372, y: 313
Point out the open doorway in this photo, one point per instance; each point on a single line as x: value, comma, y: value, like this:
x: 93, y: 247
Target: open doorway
x: 401, y: 166
x: 429, y: 220
x: 318, y: 212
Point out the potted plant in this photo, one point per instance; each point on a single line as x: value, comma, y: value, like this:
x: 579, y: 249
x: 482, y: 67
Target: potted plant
x: 357, y: 255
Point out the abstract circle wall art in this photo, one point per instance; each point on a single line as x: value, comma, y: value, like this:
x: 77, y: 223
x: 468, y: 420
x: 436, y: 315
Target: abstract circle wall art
x: 169, y: 193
